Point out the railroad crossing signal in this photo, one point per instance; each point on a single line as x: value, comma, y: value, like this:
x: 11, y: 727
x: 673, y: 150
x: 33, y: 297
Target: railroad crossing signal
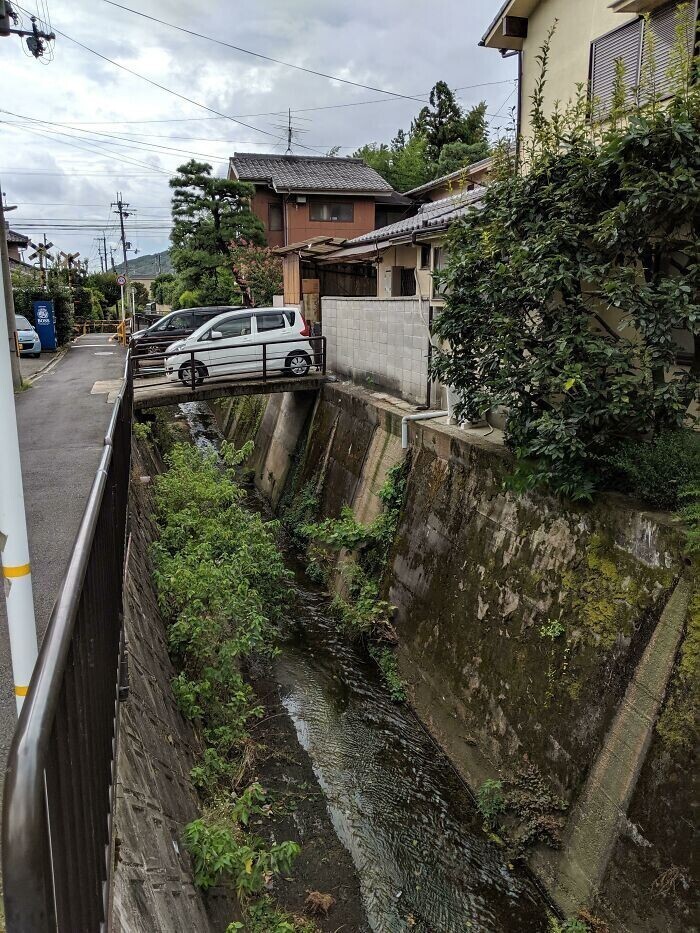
x: 41, y: 252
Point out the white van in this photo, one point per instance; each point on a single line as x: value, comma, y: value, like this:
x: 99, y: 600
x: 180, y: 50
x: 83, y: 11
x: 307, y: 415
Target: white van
x: 232, y: 344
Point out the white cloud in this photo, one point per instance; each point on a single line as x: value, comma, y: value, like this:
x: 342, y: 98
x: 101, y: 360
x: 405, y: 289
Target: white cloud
x: 393, y: 45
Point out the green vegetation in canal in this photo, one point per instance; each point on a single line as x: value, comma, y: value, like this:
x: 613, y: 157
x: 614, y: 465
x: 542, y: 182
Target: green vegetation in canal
x: 491, y: 802
x: 360, y: 609
x: 265, y: 917
x: 521, y: 812
x: 221, y: 581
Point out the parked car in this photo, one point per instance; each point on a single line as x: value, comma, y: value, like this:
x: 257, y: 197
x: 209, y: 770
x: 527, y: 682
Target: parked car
x: 233, y: 344
x: 29, y: 342
x: 182, y: 323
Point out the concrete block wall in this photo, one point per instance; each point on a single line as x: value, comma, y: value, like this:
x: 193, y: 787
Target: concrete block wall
x: 379, y: 341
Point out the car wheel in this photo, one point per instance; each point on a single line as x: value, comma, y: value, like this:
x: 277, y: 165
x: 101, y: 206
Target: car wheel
x: 298, y: 364
x: 185, y: 373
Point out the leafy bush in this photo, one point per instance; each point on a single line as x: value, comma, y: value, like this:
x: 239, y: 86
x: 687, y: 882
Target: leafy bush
x: 595, y: 222
x: 264, y: 917
x: 657, y: 471
x: 220, y: 850
x: 386, y: 659
x: 299, y: 513
x: 220, y: 580
x: 26, y: 289
x: 690, y: 513
x: 363, y: 613
x: 141, y: 430
x: 490, y: 801
x: 572, y: 925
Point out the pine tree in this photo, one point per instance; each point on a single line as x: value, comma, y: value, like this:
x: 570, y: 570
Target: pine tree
x: 209, y: 216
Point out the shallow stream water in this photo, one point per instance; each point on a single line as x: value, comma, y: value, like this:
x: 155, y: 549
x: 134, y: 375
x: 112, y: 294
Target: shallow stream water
x: 395, y: 800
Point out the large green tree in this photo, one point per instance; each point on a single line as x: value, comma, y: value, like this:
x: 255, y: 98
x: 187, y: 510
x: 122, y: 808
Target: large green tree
x: 443, y: 137
x: 209, y: 216
x: 444, y: 122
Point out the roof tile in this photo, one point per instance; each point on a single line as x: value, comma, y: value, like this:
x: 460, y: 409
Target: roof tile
x: 434, y: 214
x: 308, y: 173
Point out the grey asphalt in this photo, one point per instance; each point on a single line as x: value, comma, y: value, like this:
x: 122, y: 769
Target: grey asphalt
x: 29, y: 367
x: 61, y: 425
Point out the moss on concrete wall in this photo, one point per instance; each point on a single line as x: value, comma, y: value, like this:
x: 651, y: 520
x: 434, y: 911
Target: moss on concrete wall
x: 521, y: 621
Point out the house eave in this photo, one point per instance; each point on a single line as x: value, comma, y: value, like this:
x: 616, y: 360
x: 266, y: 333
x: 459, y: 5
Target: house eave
x: 494, y: 37
x: 636, y: 6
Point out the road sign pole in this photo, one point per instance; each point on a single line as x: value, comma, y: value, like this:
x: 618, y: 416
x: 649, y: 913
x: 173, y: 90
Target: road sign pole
x: 14, y: 546
x: 121, y: 282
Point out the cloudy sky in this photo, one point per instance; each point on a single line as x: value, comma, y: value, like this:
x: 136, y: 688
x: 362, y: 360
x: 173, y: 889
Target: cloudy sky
x: 62, y: 166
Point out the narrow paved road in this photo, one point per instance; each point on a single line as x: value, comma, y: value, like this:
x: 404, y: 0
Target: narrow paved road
x: 62, y: 420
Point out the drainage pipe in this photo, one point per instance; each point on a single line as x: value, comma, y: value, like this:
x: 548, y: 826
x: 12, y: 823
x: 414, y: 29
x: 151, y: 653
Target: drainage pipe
x: 421, y: 416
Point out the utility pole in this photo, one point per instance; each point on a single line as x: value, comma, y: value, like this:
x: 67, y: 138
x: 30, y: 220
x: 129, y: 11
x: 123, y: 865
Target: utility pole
x: 111, y: 257
x: 14, y: 545
x: 104, y: 250
x: 9, y: 302
x: 123, y: 214
x: 99, y: 252
x: 36, y: 38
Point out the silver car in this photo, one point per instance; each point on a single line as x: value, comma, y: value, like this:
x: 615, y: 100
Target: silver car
x: 247, y: 342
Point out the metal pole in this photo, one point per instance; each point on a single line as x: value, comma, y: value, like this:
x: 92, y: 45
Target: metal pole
x: 123, y: 304
x: 14, y: 545
x: 11, y: 341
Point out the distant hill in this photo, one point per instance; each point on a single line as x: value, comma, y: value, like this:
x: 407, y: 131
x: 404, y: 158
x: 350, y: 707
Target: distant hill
x: 147, y: 266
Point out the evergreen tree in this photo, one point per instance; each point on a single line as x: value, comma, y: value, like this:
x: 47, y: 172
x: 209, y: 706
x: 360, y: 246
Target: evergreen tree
x: 209, y: 216
x: 442, y: 138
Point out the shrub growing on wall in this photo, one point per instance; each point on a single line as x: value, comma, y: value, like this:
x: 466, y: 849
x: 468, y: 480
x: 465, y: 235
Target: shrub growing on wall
x: 597, y: 222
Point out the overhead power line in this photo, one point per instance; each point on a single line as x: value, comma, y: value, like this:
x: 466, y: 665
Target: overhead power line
x: 156, y: 147
x: 162, y: 87
x: 277, y: 113
x: 267, y: 58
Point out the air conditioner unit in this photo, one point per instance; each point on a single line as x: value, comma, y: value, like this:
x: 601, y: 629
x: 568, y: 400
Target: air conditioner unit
x: 301, y: 199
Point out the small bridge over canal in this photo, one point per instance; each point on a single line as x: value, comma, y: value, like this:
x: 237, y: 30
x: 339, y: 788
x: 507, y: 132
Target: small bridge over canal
x: 229, y: 370
x: 156, y: 394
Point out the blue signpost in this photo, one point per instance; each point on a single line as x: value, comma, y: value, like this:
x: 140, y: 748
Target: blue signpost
x: 45, y: 324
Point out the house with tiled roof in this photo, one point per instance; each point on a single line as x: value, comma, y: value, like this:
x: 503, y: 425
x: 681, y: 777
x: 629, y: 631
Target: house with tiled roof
x: 298, y: 197
x: 15, y: 243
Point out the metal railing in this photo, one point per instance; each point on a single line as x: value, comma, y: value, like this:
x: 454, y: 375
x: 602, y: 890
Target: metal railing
x: 232, y: 360
x: 60, y: 780
x: 81, y: 328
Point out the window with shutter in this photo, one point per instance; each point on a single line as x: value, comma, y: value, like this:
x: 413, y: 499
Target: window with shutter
x: 663, y: 25
x: 623, y: 44
x: 628, y: 45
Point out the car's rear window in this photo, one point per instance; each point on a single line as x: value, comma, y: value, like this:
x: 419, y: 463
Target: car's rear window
x: 291, y: 317
x: 273, y: 321
x: 21, y: 323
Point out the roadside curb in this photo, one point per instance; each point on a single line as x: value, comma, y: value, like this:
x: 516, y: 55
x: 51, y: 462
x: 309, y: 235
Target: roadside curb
x: 30, y: 380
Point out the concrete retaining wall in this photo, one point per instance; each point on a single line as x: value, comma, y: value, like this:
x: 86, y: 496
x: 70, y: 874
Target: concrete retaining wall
x: 479, y: 577
x: 379, y: 341
x: 154, y: 890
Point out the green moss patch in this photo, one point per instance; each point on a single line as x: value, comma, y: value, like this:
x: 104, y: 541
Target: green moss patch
x: 679, y: 723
